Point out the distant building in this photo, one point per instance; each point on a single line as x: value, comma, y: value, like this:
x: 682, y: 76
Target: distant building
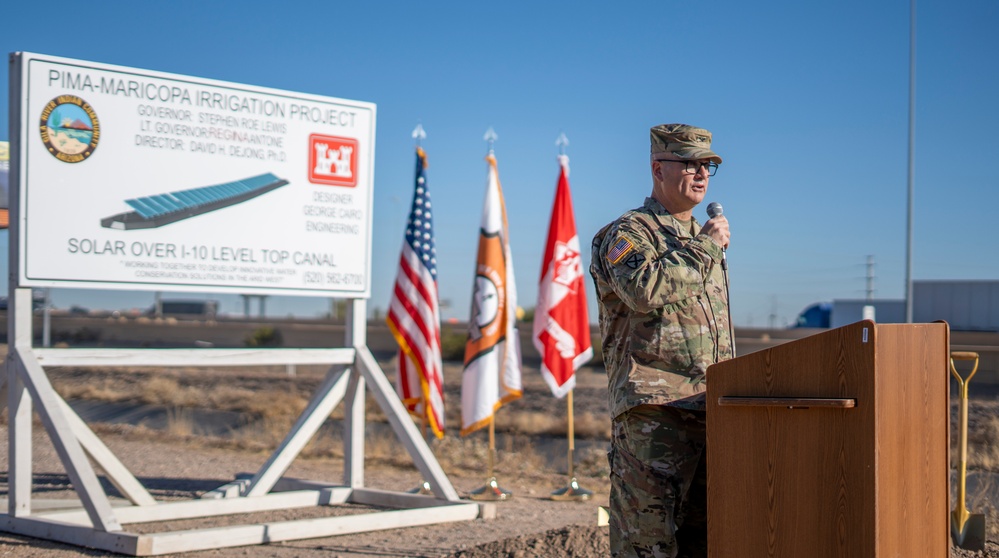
x: 4, y: 183
x: 192, y: 309
x: 38, y: 300
x: 964, y: 305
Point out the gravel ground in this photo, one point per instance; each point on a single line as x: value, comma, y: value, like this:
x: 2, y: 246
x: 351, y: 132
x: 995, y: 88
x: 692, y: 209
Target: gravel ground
x: 173, y: 467
x: 527, y: 525
x: 178, y: 472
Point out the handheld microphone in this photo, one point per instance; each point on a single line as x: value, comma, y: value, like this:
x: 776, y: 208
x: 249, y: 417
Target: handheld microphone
x: 715, y: 209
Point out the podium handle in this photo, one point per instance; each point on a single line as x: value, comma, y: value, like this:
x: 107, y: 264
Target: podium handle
x: 789, y: 402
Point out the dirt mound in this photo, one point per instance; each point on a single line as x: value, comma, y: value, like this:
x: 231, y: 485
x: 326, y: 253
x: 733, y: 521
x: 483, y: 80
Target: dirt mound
x: 576, y: 541
x: 991, y: 551
x: 579, y: 541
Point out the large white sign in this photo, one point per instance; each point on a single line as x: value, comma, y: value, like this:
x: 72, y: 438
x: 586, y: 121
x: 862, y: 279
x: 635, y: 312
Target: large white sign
x: 134, y: 179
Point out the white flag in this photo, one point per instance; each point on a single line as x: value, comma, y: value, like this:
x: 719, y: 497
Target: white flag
x: 492, y: 374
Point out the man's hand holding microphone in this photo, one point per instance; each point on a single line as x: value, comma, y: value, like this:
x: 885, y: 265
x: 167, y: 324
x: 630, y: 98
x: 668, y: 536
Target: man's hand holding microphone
x: 717, y: 227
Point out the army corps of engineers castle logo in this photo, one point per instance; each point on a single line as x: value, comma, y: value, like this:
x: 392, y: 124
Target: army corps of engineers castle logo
x: 70, y: 129
x: 332, y: 160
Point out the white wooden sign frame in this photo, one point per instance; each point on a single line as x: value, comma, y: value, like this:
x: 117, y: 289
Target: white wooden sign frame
x: 100, y: 523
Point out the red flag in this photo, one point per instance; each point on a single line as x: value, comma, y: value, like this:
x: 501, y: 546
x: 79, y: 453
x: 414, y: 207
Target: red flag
x: 561, y: 323
x: 414, y: 312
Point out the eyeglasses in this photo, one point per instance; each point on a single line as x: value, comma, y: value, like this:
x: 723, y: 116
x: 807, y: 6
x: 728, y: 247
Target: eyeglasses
x: 693, y: 167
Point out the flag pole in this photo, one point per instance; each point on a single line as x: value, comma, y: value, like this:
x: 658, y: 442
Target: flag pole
x: 492, y: 446
x: 491, y: 491
x: 419, y: 134
x: 572, y: 436
x: 424, y: 486
x: 572, y: 491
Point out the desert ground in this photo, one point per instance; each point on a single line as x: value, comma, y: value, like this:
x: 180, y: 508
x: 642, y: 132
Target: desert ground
x: 186, y: 431
x: 155, y: 422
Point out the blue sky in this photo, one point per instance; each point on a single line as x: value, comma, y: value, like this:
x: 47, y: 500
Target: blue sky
x: 808, y: 103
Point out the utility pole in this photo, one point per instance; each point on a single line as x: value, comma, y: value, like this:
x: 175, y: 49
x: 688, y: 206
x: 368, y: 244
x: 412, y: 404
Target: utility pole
x: 870, y: 278
x: 912, y: 164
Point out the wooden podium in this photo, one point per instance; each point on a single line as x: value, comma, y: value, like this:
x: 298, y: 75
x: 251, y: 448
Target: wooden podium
x: 835, y: 445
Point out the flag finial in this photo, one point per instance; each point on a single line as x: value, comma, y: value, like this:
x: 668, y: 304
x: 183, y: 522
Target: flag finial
x: 561, y: 142
x: 490, y: 138
x: 419, y: 134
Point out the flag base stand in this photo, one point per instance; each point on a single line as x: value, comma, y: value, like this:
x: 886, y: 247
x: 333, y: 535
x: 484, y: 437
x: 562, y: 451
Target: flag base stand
x: 423, y: 490
x: 491, y: 491
x: 572, y: 492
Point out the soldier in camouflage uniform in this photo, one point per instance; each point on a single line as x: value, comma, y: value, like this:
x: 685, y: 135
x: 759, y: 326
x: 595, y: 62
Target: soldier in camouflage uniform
x: 664, y: 319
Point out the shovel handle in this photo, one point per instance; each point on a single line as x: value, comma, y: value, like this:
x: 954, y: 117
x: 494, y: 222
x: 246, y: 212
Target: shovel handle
x: 963, y: 355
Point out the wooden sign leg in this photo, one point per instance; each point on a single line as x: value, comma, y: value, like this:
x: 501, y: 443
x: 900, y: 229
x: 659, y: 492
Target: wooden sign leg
x: 329, y: 394
x: 77, y: 466
x: 405, y: 430
x: 353, y: 431
x: 18, y: 444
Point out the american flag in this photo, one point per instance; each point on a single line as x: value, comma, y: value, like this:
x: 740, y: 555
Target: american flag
x: 619, y: 250
x: 414, y: 313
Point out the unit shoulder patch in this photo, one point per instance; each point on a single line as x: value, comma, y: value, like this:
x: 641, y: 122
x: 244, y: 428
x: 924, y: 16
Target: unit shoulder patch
x: 635, y: 260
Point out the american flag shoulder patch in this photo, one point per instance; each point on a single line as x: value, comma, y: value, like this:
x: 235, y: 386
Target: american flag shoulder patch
x: 619, y: 250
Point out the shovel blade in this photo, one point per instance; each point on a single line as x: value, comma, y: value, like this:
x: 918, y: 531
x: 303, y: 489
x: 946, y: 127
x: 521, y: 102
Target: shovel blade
x: 972, y: 535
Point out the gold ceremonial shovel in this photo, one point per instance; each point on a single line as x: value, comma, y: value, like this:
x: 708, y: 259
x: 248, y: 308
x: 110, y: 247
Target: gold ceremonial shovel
x: 968, y: 529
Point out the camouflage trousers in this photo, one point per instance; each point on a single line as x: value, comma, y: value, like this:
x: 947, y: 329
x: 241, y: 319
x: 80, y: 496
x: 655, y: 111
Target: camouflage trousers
x: 658, y: 499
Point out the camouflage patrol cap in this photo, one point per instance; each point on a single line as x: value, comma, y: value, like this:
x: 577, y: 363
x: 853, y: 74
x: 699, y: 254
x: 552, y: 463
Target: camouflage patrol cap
x: 683, y: 141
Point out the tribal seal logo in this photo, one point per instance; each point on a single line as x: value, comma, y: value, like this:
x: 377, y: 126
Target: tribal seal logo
x: 69, y: 128
x: 486, y: 300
